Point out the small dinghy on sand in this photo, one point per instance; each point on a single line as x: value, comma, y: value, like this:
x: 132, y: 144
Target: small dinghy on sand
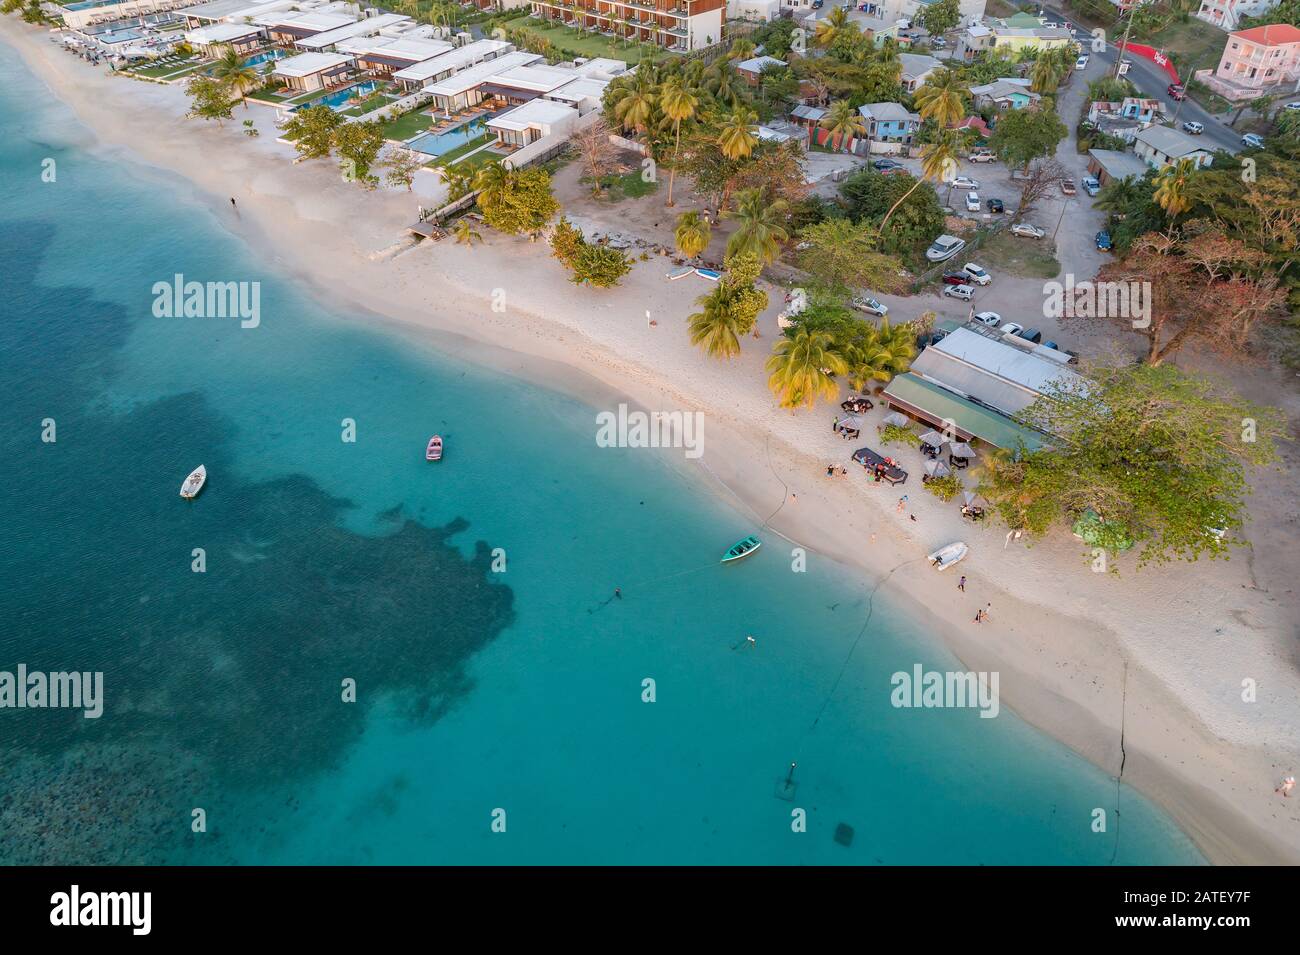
x: 194, y: 483
x: 434, y: 451
x: 945, y: 557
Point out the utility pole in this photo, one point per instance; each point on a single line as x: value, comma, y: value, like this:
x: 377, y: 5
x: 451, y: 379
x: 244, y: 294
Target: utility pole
x: 1060, y: 218
x: 1123, y: 45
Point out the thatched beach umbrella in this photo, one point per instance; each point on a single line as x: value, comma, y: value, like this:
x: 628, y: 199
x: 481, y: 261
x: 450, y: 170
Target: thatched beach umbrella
x: 937, y: 469
x: 896, y: 418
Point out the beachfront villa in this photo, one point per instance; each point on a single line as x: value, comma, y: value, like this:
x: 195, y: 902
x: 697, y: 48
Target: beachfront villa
x: 83, y: 13
x: 517, y: 78
x: 677, y: 25
x: 230, y: 11
x: 210, y: 40
x: 327, y: 40
x: 526, y: 124
x: 287, y: 27
x: 430, y: 71
x: 386, y: 55
x: 308, y: 72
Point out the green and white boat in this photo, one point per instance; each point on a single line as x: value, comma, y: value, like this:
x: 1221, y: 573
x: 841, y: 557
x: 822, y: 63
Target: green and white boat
x: 742, y: 548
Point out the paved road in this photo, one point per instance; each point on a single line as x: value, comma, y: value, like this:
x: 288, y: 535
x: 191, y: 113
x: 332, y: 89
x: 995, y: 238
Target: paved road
x: 1153, y: 82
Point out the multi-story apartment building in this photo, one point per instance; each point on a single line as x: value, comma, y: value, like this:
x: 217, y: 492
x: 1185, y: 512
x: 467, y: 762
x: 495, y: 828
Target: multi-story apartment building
x: 679, y: 25
x: 1256, y: 61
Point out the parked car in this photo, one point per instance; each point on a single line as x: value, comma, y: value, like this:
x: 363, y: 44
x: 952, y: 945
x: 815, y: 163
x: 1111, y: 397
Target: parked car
x: 1027, y: 231
x: 865, y: 303
x: 1103, y: 241
x: 944, y: 248
x: 1081, y: 62
x: 1252, y: 141
x: 1030, y: 335
x: 976, y: 274
x: 964, y: 182
x: 1052, y: 345
x: 981, y: 155
x: 996, y: 206
x: 1067, y: 187
x: 880, y: 165
x: 1010, y: 328
x: 1293, y: 107
x: 1091, y: 185
x: 963, y: 292
x: 956, y: 278
x: 938, y: 43
x: 991, y: 319
x: 1176, y: 90
x: 1193, y: 127
x: 972, y: 202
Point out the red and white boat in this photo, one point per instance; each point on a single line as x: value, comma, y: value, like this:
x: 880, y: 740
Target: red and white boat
x: 434, y: 451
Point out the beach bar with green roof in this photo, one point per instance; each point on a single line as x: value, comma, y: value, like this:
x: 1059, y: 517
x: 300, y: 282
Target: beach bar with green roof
x: 941, y: 408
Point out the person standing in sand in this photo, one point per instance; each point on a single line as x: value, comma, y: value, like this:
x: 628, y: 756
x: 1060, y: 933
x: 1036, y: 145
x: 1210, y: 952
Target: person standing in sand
x: 1288, y: 784
x: 961, y: 584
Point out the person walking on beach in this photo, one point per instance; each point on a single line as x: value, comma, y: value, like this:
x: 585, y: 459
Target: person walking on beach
x: 232, y: 203
x: 830, y: 470
x: 979, y: 616
x: 902, y: 503
x: 961, y: 584
x: 1288, y: 784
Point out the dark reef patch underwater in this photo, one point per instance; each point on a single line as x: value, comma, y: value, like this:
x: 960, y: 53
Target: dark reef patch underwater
x: 216, y: 684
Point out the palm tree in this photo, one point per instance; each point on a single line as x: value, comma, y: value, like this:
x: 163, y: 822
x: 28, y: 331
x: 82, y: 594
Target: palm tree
x: 884, y: 352
x: 833, y: 27
x: 735, y: 136
x: 742, y: 49
x: 1048, y: 71
x: 466, y: 233
x: 761, y: 229
x: 692, y: 234
x: 493, y: 180
x: 715, y: 328
x: 937, y: 158
x: 677, y: 104
x: 231, y: 72
x: 723, y: 82
x: 1171, y: 188
x: 635, y: 104
x: 803, y: 366
x: 943, y: 98
x: 1118, y: 195
x: 843, y: 121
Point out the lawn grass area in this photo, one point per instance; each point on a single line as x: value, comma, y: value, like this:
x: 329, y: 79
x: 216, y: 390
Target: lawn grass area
x: 447, y: 158
x: 402, y: 128
x: 372, y: 102
x: 477, y: 160
x: 1026, y: 258
x: 588, y: 44
x: 628, y: 185
x: 171, y: 70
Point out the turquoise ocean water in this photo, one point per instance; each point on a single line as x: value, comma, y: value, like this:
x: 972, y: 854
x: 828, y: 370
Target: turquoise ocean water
x: 325, y: 560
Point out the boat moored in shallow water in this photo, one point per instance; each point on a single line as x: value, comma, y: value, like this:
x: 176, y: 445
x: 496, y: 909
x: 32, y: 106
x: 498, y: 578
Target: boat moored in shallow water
x: 434, y: 451
x: 194, y: 483
x: 742, y: 548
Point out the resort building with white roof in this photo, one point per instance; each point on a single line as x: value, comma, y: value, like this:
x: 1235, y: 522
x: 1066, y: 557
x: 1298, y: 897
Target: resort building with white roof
x: 392, y: 54
x: 313, y: 71
x: 447, y: 64
x: 461, y: 89
x: 231, y: 11
x: 526, y: 124
x: 208, y: 40
x: 368, y: 27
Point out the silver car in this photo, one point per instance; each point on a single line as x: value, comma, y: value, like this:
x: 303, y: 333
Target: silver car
x: 1027, y: 231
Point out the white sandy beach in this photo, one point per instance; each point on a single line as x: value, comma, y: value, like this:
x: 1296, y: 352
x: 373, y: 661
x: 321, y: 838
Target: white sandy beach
x: 1161, y: 653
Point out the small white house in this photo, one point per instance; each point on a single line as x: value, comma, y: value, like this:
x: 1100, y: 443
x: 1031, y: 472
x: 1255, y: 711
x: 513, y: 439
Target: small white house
x: 526, y: 124
x: 243, y: 37
x: 1159, y: 146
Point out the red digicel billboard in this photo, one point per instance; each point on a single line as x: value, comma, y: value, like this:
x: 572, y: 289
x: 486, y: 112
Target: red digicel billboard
x: 1155, y: 56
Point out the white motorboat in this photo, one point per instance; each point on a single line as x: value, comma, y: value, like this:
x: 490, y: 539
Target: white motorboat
x: 194, y: 483
x: 945, y: 557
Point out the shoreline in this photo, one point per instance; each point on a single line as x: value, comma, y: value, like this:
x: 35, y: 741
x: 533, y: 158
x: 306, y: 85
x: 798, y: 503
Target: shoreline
x: 1064, y: 670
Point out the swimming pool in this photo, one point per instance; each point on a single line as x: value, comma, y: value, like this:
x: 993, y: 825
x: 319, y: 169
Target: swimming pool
x: 435, y: 144
x: 119, y: 36
x: 264, y: 57
x: 341, y: 99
